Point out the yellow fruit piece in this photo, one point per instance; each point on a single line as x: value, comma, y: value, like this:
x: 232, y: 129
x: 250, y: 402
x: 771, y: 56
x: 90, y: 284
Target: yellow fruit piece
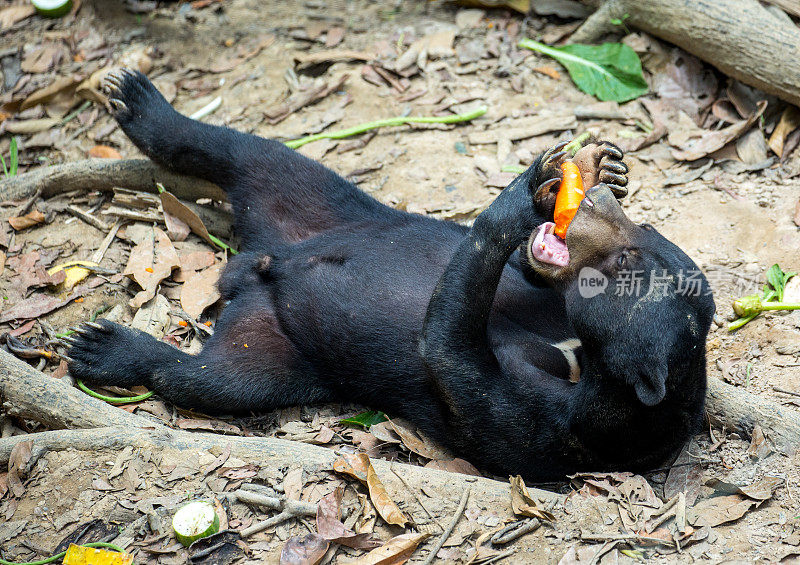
x: 79, y: 555
x: 75, y: 272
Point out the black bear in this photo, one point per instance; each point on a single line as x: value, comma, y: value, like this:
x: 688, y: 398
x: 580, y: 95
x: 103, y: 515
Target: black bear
x: 522, y: 352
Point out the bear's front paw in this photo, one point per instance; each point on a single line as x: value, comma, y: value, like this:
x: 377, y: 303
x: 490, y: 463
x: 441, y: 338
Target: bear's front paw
x: 106, y: 353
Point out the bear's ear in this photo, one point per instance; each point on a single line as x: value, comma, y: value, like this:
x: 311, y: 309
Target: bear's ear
x: 650, y: 384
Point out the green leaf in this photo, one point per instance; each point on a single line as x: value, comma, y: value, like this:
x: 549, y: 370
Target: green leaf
x: 778, y: 279
x: 365, y: 419
x: 611, y: 71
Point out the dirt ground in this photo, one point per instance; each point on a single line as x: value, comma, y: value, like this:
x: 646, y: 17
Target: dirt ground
x: 735, y: 219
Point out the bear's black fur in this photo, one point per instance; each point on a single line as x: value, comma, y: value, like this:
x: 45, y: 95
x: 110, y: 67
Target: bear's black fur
x: 336, y: 297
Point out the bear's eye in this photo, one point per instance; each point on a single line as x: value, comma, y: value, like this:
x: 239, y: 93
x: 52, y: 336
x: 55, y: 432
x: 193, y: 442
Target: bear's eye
x: 622, y: 261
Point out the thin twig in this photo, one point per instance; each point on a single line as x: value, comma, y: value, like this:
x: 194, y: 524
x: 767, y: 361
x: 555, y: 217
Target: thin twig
x: 414, y: 494
x: 515, y: 531
x: 625, y: 537
x: 266, y: 524
x: 88, y: 218
x: 26, y: 206
x: 207, y: 109
x: 446, y: 534
x: 608, y: 546
x: 97, y: 256
x: 500, y: 556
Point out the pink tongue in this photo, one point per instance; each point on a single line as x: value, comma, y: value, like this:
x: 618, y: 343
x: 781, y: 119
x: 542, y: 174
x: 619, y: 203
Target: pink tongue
x: 548, y: 247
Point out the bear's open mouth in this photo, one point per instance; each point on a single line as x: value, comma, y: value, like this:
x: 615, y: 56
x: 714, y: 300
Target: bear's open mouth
x: 547, y: 247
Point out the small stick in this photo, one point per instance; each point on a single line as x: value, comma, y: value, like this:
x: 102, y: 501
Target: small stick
x: 608, y: 546
x: 296, y: 507
x: 97, y: 256
x: 26, y: 206
x: 500, y: 556
x: 515, y: 531
x: 666, y: 514
x: 446, y: 534
x: 414, y: 494
x: 625, y: 537
x: 263, y: 525
x: 88, y: 218
x: 207, y: 109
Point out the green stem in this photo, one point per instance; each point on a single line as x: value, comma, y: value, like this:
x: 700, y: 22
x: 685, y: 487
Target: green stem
x: 217, y: 241
x: 388, y: 122
x: 574, y: 146
x: 58, y: 556
x: 736, y: 324
x: 69, y: 117
x: 779, y: 306
x: 114, y: 399
x: 513, y: 169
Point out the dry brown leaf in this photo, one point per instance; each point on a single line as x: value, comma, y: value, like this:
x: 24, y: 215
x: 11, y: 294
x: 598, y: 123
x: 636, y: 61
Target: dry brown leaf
x: 358, y: 465
x: 149, y: 263
x: 704, y: 142
x: 334, y: 36
x: 245, y: 472
x: 549, y: 71
x: 64, y: 86
x: 17, y: 461
x: 40, y: 304
x: 32, y: 218
x: 177, y: 229
x: 196, y: 260
x: 219, y: 461
x: 283, y: 110
x: 330, y: 527
x: 27, y: 127
x: 41, y: 59
x: 416, y: 441
x: 455, y: 465
x: 396, y: 551
x: 89, y: 89
x: 523, y: 503
x: 3, y: 484
x: 208, y: 425
x: 200, y: 291
x: 790, y: 121
x: 760, y: 490
x: 719, y: 510
x: 384, y: 432
x: 307, y: 550
x: 13, y: 14
x: 366, y: 522
x: 174, y: 207
x: 104, y: 152
x: 685, y: 476
x: 332, y: 56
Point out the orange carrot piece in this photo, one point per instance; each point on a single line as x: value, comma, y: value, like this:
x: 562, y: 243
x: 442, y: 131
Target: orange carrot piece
x: 569, y: 197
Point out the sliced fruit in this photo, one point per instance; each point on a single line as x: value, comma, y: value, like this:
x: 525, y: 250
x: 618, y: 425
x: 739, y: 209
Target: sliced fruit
x: 52, y: 8
x: 195, y: 521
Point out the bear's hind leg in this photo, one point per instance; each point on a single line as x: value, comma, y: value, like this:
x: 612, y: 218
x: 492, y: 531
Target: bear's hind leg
x: 246, y: 366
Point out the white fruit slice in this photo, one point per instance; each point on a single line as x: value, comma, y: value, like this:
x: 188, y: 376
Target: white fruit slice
x: 52, y: 8
x: 194, y: 521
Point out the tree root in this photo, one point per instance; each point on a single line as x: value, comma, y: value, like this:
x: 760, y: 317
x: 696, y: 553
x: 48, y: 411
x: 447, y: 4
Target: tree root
x: 106, y: 174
